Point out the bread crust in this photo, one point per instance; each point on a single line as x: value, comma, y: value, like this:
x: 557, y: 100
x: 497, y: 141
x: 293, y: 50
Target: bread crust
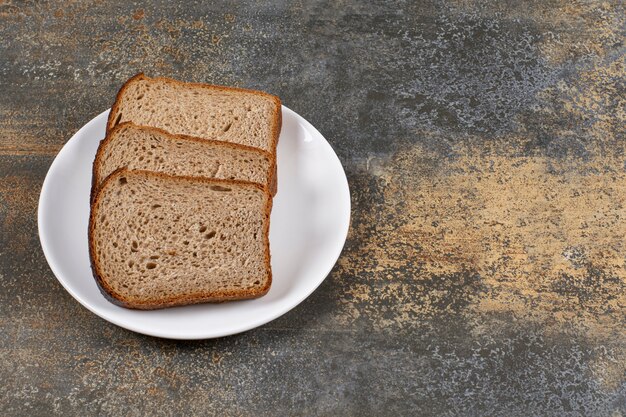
x: 277, y: 118
x: 218, y: 296
x: 95, y: 179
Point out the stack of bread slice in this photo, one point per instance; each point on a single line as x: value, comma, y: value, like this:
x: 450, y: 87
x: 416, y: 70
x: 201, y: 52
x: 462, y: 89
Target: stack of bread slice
x: 182, y: 193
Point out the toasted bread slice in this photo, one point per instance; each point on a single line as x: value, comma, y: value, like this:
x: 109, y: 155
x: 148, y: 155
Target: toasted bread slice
x: 151, y: 149
x: 236, y: 115
x: 158, y: 241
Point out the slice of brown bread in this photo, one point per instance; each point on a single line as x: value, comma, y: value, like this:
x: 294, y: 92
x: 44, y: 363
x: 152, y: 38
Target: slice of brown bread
x: 152, y: 149
x: 158, y: 241
x: 247, y: 117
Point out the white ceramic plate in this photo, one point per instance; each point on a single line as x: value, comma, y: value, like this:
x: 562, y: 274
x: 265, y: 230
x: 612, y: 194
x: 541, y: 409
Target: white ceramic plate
x: 308, y: 228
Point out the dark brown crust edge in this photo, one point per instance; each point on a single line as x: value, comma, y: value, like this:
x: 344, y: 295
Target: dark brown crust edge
x: 278, y: 125
x: 277, y: 117
x: 95, y: 178
x: 219, y: 296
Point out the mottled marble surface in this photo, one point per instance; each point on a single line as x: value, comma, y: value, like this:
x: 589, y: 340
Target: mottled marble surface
x: 485, y: 269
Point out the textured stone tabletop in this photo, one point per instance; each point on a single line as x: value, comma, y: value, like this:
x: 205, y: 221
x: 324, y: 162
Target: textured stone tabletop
x: 485, y: 270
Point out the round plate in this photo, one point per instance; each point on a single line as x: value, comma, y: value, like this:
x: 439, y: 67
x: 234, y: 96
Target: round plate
x: 309, y: 225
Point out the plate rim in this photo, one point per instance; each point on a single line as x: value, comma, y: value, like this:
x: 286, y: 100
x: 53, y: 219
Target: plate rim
x: 157, y: 332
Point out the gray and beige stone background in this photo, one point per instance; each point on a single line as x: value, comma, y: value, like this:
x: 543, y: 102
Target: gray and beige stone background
x: 485, y: 269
